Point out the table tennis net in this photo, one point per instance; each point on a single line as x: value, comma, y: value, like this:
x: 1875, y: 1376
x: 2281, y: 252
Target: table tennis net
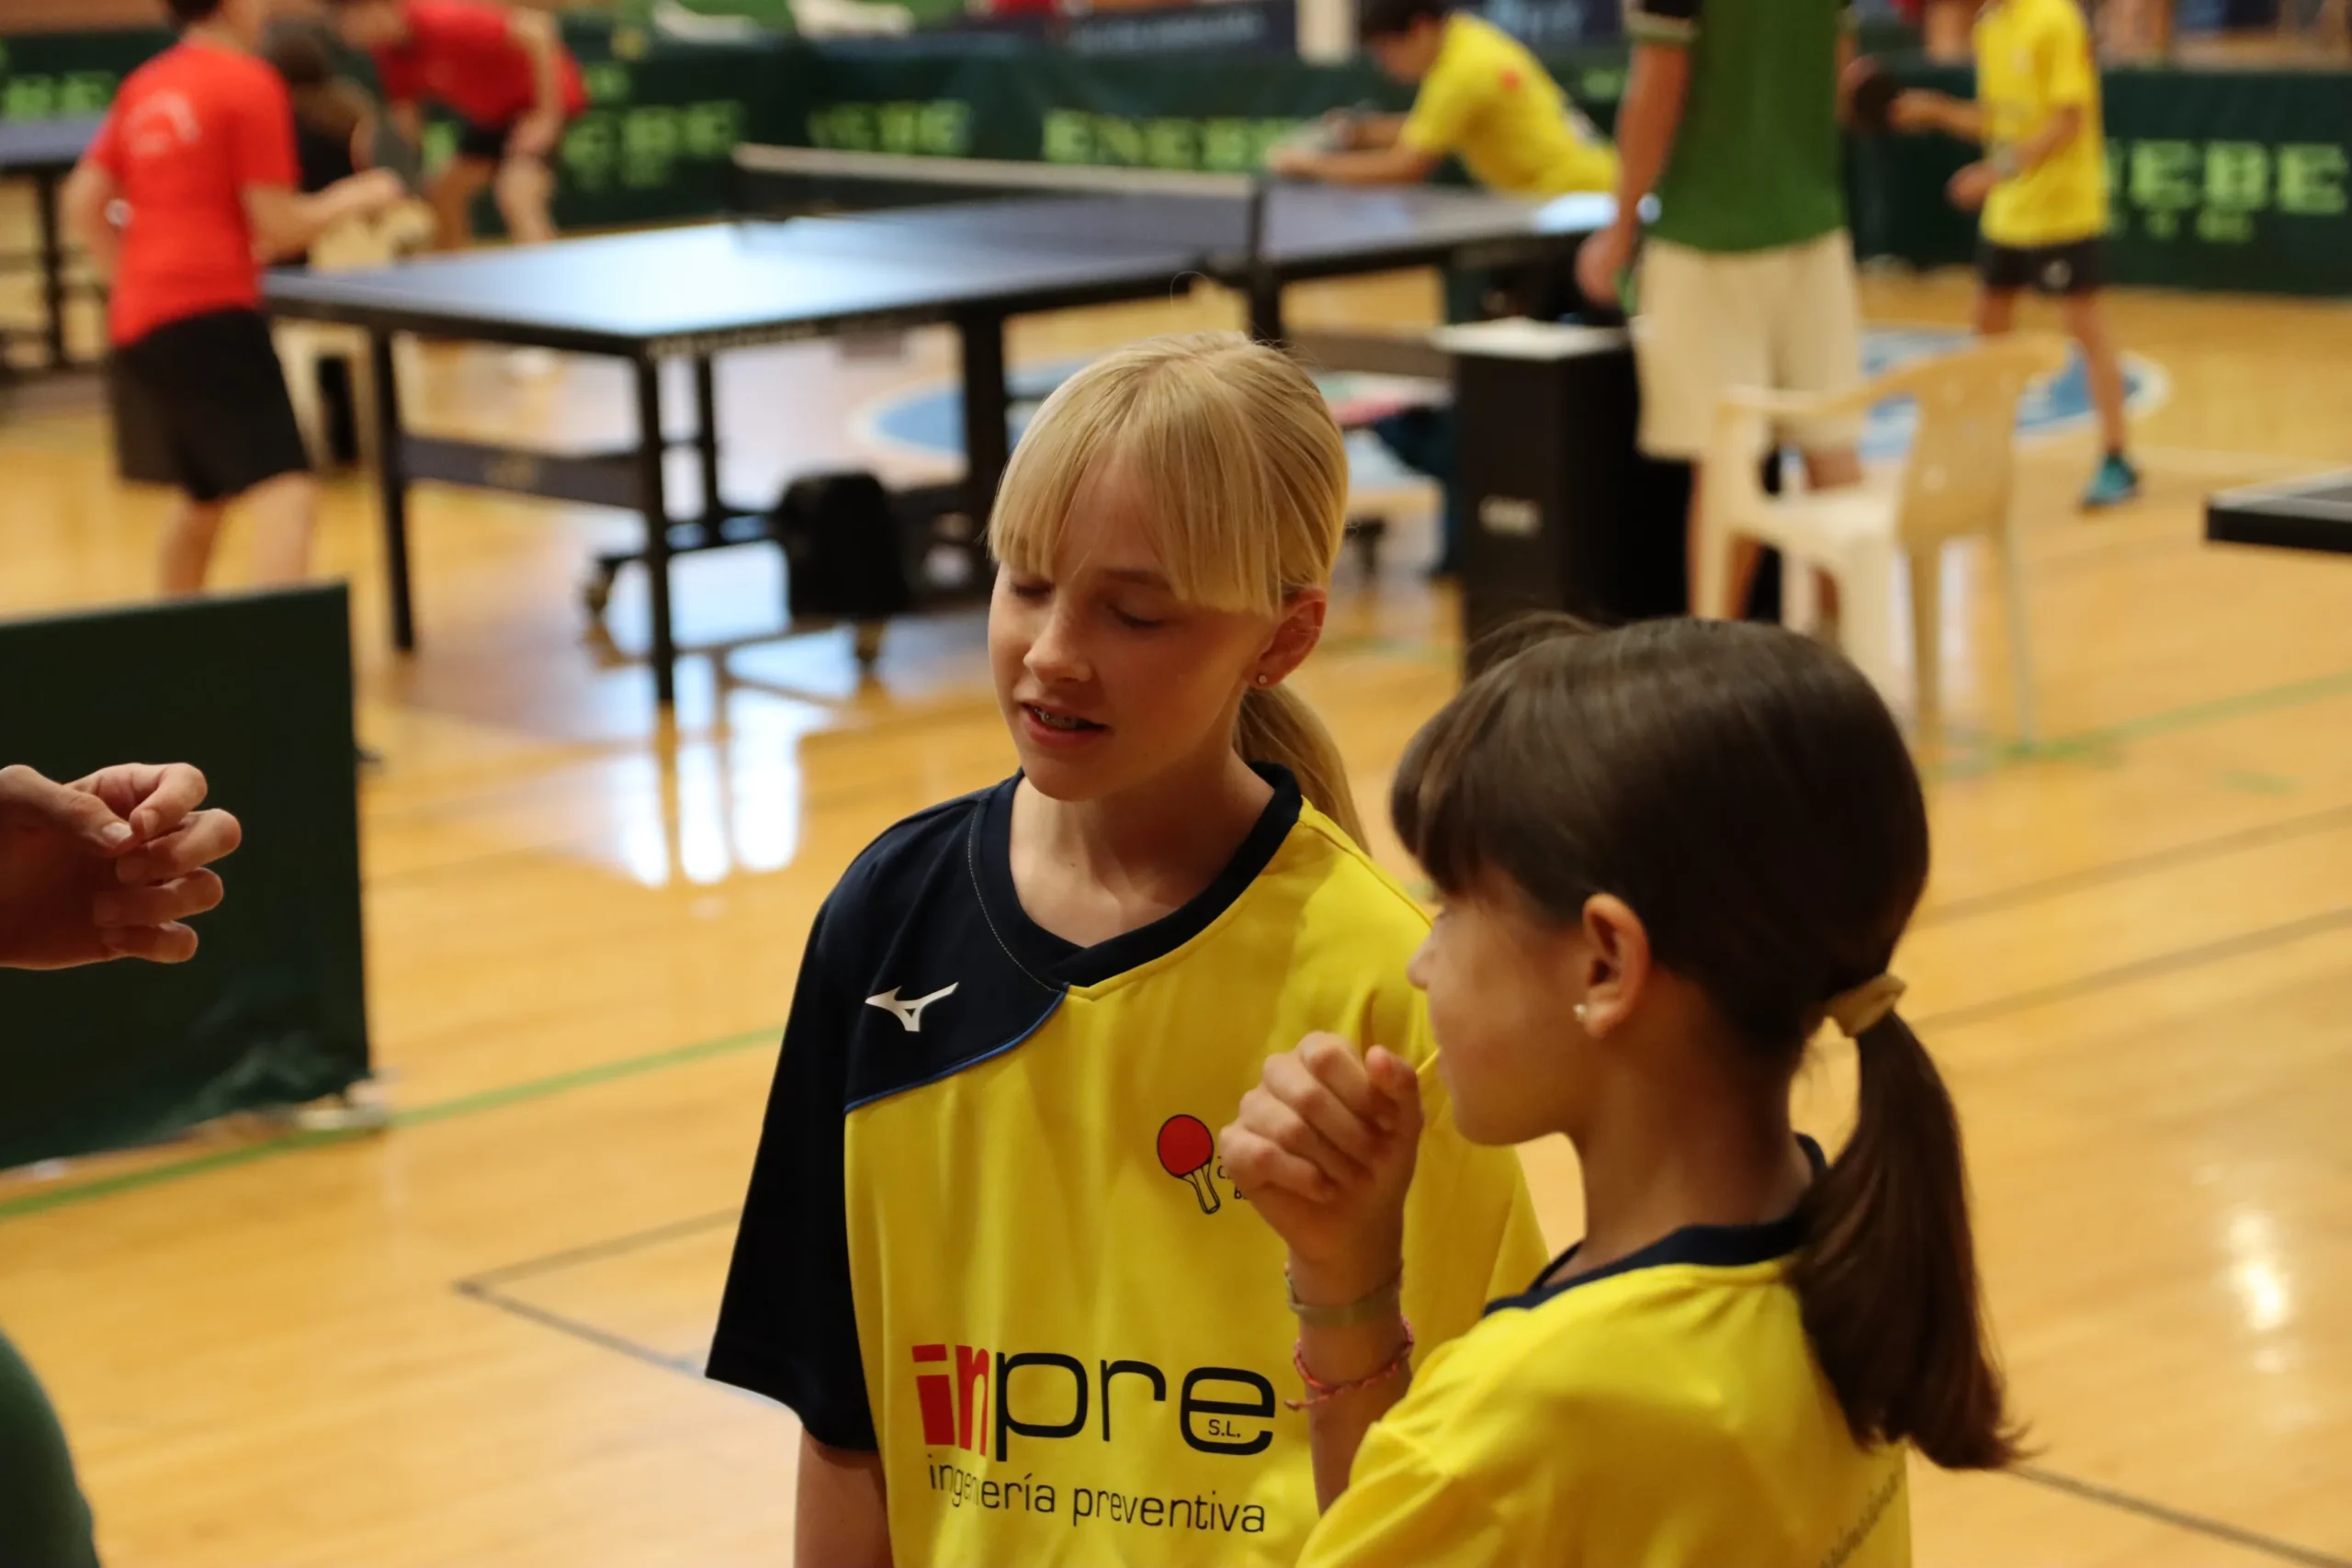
x: 775, y: 181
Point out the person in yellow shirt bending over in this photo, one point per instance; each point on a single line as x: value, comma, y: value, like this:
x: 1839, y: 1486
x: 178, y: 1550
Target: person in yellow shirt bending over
x: 2043, y: 184
x: 1483, y: 97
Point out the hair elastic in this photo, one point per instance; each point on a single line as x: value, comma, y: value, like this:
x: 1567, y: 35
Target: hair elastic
x: 1858, y: 1012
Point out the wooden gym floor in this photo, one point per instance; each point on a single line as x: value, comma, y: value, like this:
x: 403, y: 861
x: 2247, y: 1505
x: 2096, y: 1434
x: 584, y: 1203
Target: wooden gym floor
x: 473, y: 1338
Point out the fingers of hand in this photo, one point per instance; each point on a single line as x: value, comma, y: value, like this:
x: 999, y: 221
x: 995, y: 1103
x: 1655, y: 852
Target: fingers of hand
x: 1256, y: 1165
x: 75, y: 808
x: 155, y: 798
x: 201, y: 840
x: 1310, y: 1120
x: 1290, y: 1128
x: 157, y: 904
x: 1394, y: 1079
x: 1336, y: 1064
x: 167, y: 943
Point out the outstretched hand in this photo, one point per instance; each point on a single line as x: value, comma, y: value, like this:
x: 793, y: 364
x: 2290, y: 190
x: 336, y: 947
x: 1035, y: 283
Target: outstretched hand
x: 106, y: 867
x: 1324, y: 1148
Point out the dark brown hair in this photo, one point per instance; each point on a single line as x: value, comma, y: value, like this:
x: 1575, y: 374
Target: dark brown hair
x: 301, y: 56
x: 1747, y: 794
x: 187, y: 13
x: 326, y: 104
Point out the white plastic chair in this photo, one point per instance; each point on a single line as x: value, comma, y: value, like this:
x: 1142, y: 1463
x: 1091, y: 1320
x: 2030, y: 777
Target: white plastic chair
x: 353, y: 246
x: 1957, y: 480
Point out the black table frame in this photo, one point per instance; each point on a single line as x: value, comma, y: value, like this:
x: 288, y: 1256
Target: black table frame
x: 2275, y: 516
x: 47, y: 171
x: 633, y: 479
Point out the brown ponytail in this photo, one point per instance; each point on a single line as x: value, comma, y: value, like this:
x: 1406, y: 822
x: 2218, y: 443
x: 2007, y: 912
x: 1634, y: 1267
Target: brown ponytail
x: 1888, y: 1276
x: 1278, y: 726
x: 1749, y: 795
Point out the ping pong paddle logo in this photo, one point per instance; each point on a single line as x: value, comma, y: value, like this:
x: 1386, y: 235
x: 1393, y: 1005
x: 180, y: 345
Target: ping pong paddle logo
x: 1186, y: 1152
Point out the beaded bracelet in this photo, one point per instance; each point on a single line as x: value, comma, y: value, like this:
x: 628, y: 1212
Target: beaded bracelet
x: 1321, y: 1392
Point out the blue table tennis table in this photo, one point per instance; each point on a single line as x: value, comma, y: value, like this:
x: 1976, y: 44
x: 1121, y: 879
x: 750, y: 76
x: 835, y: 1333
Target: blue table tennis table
x: 1044, y: 239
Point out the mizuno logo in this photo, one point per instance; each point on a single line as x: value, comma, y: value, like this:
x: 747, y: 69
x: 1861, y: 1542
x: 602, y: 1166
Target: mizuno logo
x: 908, y: 1013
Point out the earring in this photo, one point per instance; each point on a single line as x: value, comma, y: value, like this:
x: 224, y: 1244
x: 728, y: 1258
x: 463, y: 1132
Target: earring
x: 1265, y: 679
x: 1583, y: 1014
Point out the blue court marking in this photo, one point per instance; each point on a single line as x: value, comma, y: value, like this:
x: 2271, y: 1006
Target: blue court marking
x: 930, y: 419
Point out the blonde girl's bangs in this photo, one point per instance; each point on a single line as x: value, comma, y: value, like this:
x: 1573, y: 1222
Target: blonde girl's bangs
x: 1244, y: 469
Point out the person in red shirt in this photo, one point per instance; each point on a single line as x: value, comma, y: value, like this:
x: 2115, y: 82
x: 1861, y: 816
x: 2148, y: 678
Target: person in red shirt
x: 187, y: 189
x: 503, y: 72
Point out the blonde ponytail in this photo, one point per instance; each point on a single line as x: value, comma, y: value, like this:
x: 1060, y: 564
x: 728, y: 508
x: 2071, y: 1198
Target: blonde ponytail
x: 1278, y: 726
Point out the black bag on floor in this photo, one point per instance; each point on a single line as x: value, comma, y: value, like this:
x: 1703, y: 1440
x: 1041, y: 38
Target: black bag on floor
x: 842, y: 556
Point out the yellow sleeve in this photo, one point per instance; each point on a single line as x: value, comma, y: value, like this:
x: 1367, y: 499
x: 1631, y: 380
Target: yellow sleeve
x: 1451, y: 1478
x: 2069, y: 72
x: 1443, y: 108
x: 1470, y: 1230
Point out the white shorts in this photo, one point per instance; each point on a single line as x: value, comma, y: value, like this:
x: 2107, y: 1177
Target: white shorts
x: 1787, y: 319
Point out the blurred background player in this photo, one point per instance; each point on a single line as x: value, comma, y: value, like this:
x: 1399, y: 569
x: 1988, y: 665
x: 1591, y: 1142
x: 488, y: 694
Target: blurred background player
x: 334, y: 119
x: 199, y: 151
x: 505, y: 71
x: 2042, y: 184
x: 1484, y: 97
x: 1731, y: 120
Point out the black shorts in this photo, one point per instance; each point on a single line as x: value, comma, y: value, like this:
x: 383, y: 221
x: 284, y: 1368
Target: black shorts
x: 486, y: 142
x: 208, y: 400
x: 2077, y: 268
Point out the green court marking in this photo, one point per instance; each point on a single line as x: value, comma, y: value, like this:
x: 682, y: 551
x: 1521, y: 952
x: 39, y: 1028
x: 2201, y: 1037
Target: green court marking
x: 2257, y: 782
x: 582, y: 1077
x: 155, y: 1175
x: 423, y: 1115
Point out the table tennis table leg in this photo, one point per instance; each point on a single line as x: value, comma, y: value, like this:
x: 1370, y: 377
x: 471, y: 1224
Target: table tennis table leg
x: 656, y: 526
x: 987, y: 409
x: 707, y: 438
x: 391, y: 480
x: 1266, y: 310
x: 53, y: 266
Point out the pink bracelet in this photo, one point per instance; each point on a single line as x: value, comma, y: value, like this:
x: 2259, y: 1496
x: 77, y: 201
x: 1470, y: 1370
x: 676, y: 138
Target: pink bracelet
x: 1321, y: 1392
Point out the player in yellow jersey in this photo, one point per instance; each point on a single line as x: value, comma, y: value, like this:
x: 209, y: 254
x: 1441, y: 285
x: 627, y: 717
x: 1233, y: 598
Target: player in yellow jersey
x: 1668, y: 854
x: 1483, y: 96
x: 2043, y: 184
x: 990, y: 1254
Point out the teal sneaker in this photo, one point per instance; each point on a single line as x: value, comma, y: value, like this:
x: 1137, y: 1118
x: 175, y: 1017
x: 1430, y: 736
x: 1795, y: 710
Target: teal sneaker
x: 2116, y: 482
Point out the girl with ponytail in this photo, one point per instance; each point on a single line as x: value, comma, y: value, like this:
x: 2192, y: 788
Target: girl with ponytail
x: 989, y: 1255
x: 1669, y: 854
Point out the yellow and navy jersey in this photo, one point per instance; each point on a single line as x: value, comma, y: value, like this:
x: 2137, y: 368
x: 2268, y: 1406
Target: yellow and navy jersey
x: 1487, y: 100
x: 2033, y: 58
x: 1663, y: 1412
x: 988, y: 1235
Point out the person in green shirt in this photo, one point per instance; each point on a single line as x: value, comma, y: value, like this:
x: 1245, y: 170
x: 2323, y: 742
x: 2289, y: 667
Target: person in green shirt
x: 1747, y: 278
x: 109, y: 867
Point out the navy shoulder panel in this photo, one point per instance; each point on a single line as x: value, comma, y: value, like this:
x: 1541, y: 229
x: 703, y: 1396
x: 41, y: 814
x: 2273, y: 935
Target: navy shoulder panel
x: 936, y: 990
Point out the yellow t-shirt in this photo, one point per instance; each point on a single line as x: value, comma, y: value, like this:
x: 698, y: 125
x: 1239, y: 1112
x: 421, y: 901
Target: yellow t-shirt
x: 1492, y: 103
x: 988, y: 1236
x: 2033, y: 58
x: 1664, y: 1412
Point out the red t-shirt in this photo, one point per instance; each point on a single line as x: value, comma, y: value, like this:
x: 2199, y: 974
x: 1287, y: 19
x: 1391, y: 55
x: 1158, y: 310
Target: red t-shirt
x: 188, y: 133
x: 463, y: 52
